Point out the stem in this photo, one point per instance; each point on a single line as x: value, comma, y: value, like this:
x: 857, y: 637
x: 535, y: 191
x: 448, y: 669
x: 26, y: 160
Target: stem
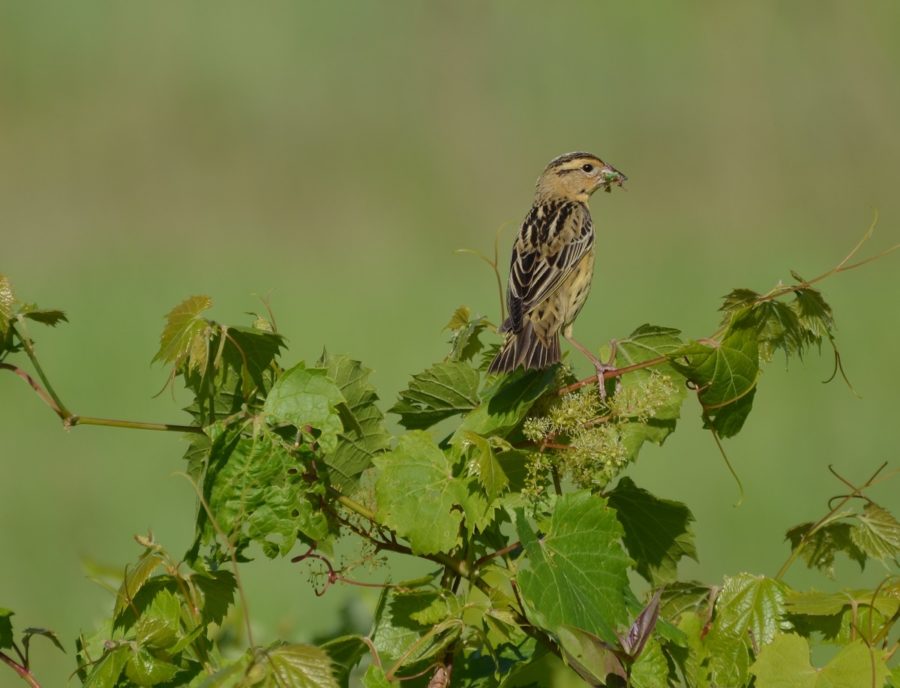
x: 29, y: 350
x: 857, y: 492
x: 69, y: 419
x: 132, y: 424
x: 609, y: 374
x: 23, y: 673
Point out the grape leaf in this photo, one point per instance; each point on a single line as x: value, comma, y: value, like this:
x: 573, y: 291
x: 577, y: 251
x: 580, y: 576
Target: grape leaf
x: 444, y: 390
x: 784, y: 663
x: 577, y: 572
x: 486, y: 467
x: 877, y: 533
x: 751, y: 603
x: 364, y: 436
x: 6, y: 631
x: 184, y: 339
x: 657, y: 531
x: 819, y: 548
x: 398, y: 635
x: 43, y: 316
x: 307, y: 397
x: 256, y: 492
x: 302, y: 666
x: 136, y: 577
x: 7, y: 304
x: 418, y: 496
x: 506, y: 402
x: 464, y: 334
x: 725, y: 374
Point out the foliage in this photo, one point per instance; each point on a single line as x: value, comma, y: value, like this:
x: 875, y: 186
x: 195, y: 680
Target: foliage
x: 513, y: 487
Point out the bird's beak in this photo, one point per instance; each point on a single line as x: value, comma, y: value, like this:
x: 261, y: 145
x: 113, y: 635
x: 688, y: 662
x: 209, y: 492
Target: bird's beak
x: 610, y: 175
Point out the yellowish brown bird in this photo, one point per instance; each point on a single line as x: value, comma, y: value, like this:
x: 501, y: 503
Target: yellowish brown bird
x: 553, y: 263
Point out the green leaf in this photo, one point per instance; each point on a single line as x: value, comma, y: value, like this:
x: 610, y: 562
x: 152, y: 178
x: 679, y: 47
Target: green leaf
x: 256, y: 491
x: 651, y: 670
x: 818, y: 548
x: 694, y: 660
x: 464, y: 334
x: 135, y: 578
x: 365, y: 437
x: 159, y: 625
x: 725, y: 374
x: 105, y: 673
x: 589, y: 656
x: 506, y: 402
x: 345, y: 653
x: 7, y: 304
x: 217, y: 589
x: 657, y: 531
x: 144, y: 669
x: 399, y: 636
x: 418, y: 495
x: 784, y: 663
x: 30, y: 632
x: 680, y: 597
x: 6, y: 631
x: 729, y: 658
x: 444, y: 390
x: 302, y: 666
x: 252, y: 354
x: 877, y: 533
x: 307, y: 397
x: 375, y: 678
x: 753, y: 604
x: 184, y: 340
x: 486, y: 467
x: 815, y: 603
x: 45, y: 317
x: 577, y: 572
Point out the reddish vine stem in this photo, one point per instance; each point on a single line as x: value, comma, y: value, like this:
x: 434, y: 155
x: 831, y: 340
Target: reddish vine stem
x: 610, y: 374
x: 23, y: 672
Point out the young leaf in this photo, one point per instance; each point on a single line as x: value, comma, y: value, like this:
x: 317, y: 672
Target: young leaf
x: 725, y: 374
x: 651, y: 670
x: 444, y: 390
x: 399, y: 636
x: 464, y: 334
x: 105, y: 673
x: 877, y: 533
x: 7, y: 304
x: 418, y: 495
x: 657, y: 531
x: 303, y: 666
x: 754, y: 604
x: 345, y: 653
x: 184, y: 339
x: 6, y: 631
x: 819, y: 547
x: 45, y: 317
x: 135, y: 578
x: 486, y: 467
x: 576, y: 573
x: 307, y: 397
x: 365, y: 437
x: 30, y: 632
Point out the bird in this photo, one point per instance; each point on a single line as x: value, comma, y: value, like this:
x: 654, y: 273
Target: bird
x: 552, y: 264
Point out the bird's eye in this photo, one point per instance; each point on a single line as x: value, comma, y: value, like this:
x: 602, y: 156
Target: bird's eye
x: 588, y: 167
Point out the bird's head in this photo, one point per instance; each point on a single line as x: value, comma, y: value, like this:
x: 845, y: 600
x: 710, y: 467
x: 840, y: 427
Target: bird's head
x: 575, y: 176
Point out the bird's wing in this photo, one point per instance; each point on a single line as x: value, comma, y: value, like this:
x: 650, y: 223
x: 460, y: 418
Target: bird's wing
x: 552, y: 241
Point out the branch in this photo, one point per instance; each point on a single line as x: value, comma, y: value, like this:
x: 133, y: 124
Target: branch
x: 24, y: 673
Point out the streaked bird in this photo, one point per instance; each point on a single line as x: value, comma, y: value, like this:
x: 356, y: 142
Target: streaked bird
x: 553, y: 263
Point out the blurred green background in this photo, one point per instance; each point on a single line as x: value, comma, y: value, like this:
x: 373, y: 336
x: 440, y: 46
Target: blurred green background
x: 333, y: 155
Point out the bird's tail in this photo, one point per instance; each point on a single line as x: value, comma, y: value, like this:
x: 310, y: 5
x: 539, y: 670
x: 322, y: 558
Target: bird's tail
x: 525, y: 349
